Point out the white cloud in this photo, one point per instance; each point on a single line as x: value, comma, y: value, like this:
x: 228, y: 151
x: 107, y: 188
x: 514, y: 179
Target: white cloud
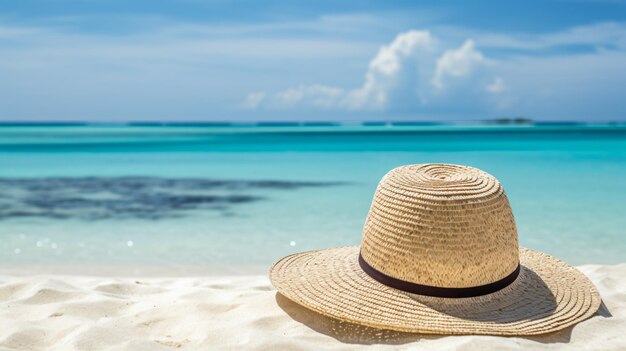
x: 387, y: 70
x: 390, y: 73
x: 457, y: 63
x: 314, y: 95
x: 409, y: 72
x: 253, y: 100
x: 163, y: 69
x: 387, y: 76
x: 497, y: 86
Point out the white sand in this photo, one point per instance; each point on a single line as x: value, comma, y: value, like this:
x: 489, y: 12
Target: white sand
x: 82, y: 313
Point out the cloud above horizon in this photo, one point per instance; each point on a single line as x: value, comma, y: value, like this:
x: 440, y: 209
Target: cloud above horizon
x: 456, y: 64
x: 411, y: 71
x: 331, y: 66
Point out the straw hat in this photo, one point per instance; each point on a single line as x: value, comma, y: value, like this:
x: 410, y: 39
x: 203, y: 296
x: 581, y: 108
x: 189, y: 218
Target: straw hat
x: 439, y: 255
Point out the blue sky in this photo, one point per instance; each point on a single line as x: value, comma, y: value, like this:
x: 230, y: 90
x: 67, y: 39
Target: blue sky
x: 190, y: 60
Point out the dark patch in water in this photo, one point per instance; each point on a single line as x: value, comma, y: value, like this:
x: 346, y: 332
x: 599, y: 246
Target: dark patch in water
x: 94, y: 198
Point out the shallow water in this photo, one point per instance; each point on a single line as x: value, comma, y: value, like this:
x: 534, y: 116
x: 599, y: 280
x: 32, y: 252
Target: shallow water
x: 98, y: 199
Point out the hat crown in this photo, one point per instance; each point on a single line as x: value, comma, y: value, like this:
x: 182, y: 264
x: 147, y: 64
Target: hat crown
x: 441, y: 225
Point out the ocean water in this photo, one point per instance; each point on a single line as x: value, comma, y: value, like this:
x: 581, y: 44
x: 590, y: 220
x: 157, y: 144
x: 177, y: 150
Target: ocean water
x: 210, y: 199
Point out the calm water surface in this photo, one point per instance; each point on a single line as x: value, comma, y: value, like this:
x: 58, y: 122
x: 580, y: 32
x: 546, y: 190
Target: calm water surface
x: 210, y: 200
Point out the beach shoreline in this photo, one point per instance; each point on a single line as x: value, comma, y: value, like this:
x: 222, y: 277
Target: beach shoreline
x: 72, y: 312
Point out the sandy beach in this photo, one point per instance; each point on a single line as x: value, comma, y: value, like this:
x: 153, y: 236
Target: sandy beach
x: 236, y: 312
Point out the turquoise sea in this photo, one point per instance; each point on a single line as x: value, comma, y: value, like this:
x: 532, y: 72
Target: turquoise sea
x: 223, y: 199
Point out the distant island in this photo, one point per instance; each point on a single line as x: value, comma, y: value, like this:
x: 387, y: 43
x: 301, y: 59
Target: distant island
x: 509, y: 121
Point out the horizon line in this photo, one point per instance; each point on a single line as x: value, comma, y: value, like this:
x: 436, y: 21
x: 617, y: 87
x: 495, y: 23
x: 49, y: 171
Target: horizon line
x: 520, y: 121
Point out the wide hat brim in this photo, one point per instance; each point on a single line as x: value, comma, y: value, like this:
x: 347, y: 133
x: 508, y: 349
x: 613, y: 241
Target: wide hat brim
x: 548, y: 295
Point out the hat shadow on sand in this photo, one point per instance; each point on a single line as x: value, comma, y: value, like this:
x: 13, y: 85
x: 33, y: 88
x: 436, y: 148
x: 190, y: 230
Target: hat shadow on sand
x: 352, y: 333
x: 497, y: 307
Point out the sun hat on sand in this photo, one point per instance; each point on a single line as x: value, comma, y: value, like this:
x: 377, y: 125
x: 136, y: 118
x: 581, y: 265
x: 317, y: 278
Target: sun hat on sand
x: 439, y: 255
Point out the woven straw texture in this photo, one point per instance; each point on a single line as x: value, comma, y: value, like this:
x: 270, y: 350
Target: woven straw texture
x: 441, y: 225
x: 547, y: 296
x: 446, y: 226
